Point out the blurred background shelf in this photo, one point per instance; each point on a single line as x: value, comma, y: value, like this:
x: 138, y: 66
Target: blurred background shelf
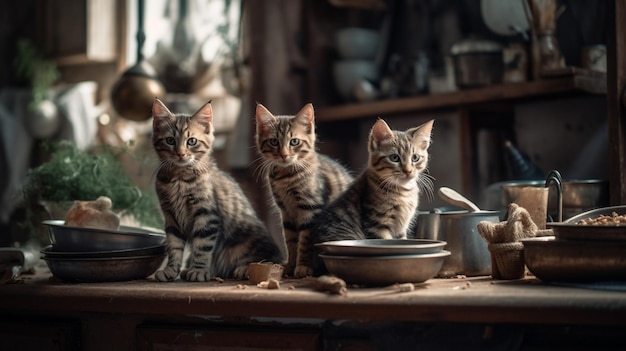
x: 566, y: 85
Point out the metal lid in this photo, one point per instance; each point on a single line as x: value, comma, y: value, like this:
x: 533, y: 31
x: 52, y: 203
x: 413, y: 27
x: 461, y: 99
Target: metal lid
x: 475, y: 46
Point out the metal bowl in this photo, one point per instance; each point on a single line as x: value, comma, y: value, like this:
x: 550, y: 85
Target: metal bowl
x: 91, y: 270
x: 553, y: 260
x: 381, y: 247
x: 385, y: 270
x: 571, y: 230
x: 52, y: 252
x: 67, y: 238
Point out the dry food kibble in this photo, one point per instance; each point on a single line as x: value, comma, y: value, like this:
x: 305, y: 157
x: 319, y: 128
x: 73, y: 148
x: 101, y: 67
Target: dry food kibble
x: 613, y: 219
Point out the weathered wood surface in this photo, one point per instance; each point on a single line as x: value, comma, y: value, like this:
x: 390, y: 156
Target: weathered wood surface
x: 475, y: 300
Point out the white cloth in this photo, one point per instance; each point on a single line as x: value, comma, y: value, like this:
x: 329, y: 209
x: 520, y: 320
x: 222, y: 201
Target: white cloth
x: 76, y: 106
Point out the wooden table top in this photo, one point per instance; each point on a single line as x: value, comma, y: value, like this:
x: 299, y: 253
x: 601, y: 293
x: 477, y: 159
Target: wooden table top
x: 461, y: 299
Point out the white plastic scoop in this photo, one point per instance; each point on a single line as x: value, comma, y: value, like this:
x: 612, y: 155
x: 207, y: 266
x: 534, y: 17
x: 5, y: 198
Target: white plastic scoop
x: 452, y: 197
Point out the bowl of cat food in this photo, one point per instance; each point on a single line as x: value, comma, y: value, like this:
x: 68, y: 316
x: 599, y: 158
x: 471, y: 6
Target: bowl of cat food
x: 589, y: 247
x: 71, y: 238
x: 605, y: 223
x: 379, y: 262
x: 582, y: 261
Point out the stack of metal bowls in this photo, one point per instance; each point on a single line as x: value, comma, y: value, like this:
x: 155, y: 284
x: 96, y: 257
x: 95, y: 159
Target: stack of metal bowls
x: 381, y: 262
x: 82, y: 254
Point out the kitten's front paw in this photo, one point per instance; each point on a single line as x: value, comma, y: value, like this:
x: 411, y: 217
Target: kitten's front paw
x: 302, y: 271
x: 168, y: 274
x: 196, y: 275
x: 241, y: 272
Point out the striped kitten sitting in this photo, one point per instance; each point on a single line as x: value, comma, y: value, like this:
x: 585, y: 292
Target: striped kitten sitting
x: 382, y: 202
x: 301, y: 180
x: 202, y: 205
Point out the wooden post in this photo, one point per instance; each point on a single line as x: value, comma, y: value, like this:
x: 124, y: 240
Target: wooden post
x: 616, y: 83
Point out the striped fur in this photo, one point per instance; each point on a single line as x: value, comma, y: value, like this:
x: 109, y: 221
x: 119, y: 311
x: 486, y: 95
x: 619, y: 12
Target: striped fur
x: 382, y: 202
x: 203, y: 207
x: 301, y: 180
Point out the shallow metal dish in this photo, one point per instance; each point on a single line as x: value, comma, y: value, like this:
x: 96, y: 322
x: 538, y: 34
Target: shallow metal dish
x: 67, y: 238
x: 385, y: 270
x: 570, y: 230
x: 103, y: 269
x: 550, y: 259
x: 381, y: 247
x: 52, y: 252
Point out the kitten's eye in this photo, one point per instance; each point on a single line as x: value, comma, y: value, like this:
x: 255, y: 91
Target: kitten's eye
x: 415, y: 158
x: 170, y: 141
x: 192, y: 141
x: 273, y: 142
x: 294, y: 142
x: 394, y: 158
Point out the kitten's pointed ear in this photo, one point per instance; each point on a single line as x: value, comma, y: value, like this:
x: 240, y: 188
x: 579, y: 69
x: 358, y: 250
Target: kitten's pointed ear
x: 421, y: 134
x: 264, y: 118
x: 160, y: 113
x: 204, y: 116
x: 379, y: 133
x: 306, y: 116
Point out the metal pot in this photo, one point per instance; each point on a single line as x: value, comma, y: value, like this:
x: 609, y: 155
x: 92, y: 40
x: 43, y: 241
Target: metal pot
x: 469, y: 253
x: 578, y: 195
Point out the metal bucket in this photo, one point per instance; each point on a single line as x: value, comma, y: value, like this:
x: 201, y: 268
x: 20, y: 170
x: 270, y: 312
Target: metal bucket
x: 469, y: 253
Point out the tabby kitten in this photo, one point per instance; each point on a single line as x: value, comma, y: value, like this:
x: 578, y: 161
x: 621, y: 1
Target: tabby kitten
x: 202, y: 205
x: 301, y: 180
x: 382, y: 202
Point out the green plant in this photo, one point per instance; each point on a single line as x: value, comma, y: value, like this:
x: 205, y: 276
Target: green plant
x: 75, y: 174
x: 34, y: 70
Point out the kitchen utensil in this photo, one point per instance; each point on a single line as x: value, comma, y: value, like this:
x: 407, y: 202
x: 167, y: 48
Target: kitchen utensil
x: 51, y: 252
x: 469, y: 253
x: 104, y: 269
x: 454, y: 198
x: 551, y: 259
x: 133, y: 94
x: 381, y: 247
x: 578, y: 195
x: 81, y: 239
x: 428, y: 222
x: 477, y: 63
x: 385, y: 270
x: 571, y: 230
x: 535, y: 201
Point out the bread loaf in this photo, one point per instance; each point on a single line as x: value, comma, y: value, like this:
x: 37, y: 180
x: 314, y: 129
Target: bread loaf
x: 93, y: 214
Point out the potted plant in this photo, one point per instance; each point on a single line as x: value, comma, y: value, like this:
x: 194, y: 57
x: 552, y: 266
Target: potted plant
x: 74, y: 174
x: 37, y: 75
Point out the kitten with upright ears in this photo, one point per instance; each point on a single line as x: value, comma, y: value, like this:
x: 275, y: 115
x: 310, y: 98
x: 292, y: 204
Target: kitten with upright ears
x: 204, y: 208
x: 382, y: 202
x: 301, y: 180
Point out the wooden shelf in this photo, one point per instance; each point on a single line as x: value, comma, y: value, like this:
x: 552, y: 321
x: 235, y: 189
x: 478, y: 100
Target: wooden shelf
x: 592, y: 84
